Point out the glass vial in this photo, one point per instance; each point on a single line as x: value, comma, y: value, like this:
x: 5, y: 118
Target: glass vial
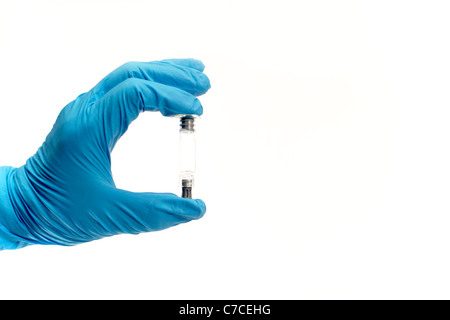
x: 187, y: 155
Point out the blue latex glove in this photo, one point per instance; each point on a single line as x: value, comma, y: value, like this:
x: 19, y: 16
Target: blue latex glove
x: 65, y: 193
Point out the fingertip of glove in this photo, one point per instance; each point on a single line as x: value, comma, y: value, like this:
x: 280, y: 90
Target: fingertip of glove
x: 202, y: 207
x: 197, y: 209
x: 197, y: 107
x: 197, y: 64
x: 205, y: 83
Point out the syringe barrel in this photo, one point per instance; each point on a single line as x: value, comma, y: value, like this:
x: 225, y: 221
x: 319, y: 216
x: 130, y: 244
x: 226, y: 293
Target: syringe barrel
x: 187, y: 155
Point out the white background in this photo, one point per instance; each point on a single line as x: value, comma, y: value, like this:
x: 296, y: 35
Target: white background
x: 323, y: 151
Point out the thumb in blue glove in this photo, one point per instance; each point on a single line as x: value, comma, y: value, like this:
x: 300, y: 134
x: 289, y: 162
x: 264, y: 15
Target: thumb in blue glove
x: 65, y: 193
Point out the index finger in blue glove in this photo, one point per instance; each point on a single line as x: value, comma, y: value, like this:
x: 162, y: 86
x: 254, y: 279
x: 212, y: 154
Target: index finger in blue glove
x: 121, y: 105
x: 180, y: 75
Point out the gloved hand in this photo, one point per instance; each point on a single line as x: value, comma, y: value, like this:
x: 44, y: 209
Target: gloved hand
x: 65, y: 193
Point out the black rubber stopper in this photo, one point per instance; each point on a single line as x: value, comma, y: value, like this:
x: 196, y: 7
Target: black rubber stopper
x: 186, y: 192
x: 187, y: 123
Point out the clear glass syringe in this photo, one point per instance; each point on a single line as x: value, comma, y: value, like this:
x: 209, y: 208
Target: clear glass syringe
x: 187, y: 155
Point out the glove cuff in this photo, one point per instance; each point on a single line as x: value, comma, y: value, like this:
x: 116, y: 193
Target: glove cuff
x: 8, y: 218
